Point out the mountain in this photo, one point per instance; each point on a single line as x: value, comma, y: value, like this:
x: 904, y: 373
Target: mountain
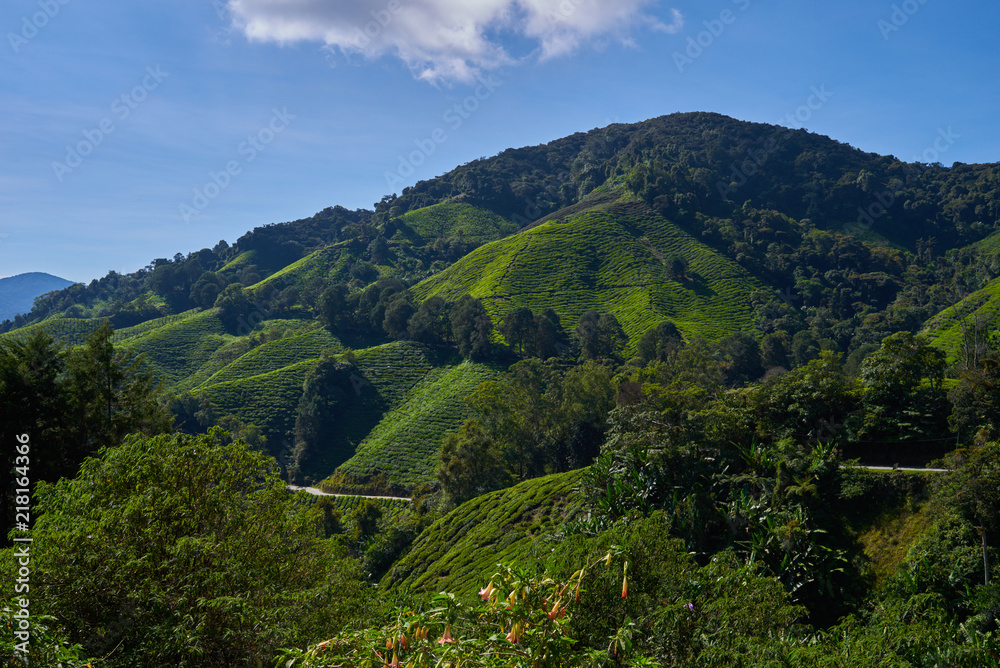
x: 722, y: 228
x: 628, y: 365
x: 17, y: 293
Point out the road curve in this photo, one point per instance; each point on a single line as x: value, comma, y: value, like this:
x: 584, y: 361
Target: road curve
x: 318, y: 492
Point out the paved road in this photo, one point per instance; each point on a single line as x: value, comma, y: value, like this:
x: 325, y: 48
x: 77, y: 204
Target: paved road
x: 318, y: 492
x: 902, y: 468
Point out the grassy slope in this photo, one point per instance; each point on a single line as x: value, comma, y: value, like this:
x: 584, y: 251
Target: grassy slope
x: 70, y: 331
x: 463, y: 547
x: 945, y: 329
x: 267, y: 400
x: 405, y: 444
x: 455, y: 219
x: 610, y: 259
x: 318, y: 264
x: 275, y: 355
x: 386, y: 375
x: 179, y: 348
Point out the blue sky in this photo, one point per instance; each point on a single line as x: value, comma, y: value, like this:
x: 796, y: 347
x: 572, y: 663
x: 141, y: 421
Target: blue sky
x: 132, y: 131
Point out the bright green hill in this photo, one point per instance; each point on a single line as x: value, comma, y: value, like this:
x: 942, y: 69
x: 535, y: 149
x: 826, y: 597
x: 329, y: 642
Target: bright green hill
x: 464, y: 546
x: 946, y: 329
x: 454, y: 219
x: 275, y: 355
x: 126, y: 333
x: 70, y: 331
x: 267, y: 400
x: 405, y: 444
x: 319, y: 264
x: 179, y: 348
x: 386, y: 375
x: 610, y: 259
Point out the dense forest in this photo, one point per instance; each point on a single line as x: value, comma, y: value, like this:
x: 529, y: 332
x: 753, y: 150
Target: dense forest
x: 649, y: 391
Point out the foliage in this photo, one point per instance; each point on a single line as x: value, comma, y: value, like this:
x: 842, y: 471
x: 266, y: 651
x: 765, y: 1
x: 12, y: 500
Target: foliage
x: 182, y: 550
x: 471, y: 328
x: 328, y: 392
x: 70, y: 403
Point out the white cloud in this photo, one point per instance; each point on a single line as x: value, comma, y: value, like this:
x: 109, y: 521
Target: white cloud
x: 446, y: 40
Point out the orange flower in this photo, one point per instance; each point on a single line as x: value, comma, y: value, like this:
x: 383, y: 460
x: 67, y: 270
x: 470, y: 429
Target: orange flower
x: 555, y: 611
x: 515, y: 633
x: 446, y: 638
x: 625, y: 587
x: 403, y: 642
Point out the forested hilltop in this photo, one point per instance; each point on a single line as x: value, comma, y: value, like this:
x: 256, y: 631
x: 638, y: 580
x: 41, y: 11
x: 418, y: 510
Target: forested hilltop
x: 642, y: 366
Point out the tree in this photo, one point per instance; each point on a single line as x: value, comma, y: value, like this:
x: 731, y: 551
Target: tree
x: 902, y: 391
x: 518, y: 327
x: 809, y: 403
x: 334, y: 312
x: 774, y: 350
x: 471, y: 464
x: 600, y: 335
x: 549, y: 336
x: 207, y: 289
x: 430, y: 324
x: 805, y: 347
x: 659, y: 343
x: 975, y: 401
x: 678, y: 268
x: 378, y: 249
x: 397, y: 316
x: 184, y: 551
x: 471, y: 328
x: 327, y: 393
x: 33, y: 400
x: 234, y: 306
x: 373, y: 302
x: 740, y: 358
x: 112, y: 396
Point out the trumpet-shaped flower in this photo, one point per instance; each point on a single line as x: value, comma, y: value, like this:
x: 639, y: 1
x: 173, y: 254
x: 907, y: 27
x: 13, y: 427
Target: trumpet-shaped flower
x: 486, y: 591
x: 516, y: 631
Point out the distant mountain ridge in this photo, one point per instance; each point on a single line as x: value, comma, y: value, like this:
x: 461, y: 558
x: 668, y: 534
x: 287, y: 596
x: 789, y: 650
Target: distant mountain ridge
x: 17, y: 293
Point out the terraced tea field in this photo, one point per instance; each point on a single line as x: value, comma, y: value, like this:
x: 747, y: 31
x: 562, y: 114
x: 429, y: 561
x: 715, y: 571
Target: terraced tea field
x: 945, y: 330
x: 463, y: 547
x: 70, y: 331
x: 267, y: 400
x: 405, y: 444
x: 274, y: 355
x: 611, y: 259
x: 455, y: 219
x: 178, y: 349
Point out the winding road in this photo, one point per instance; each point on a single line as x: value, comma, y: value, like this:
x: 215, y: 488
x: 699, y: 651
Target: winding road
x: 319, y: 492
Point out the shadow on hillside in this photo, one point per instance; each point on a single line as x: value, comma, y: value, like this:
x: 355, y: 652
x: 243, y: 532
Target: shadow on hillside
x: 697, y: 284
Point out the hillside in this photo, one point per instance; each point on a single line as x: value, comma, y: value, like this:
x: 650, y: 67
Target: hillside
x: 652, y: 222
x: 17, y: 293
x: 613, y: 258
x: 516, y: 524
